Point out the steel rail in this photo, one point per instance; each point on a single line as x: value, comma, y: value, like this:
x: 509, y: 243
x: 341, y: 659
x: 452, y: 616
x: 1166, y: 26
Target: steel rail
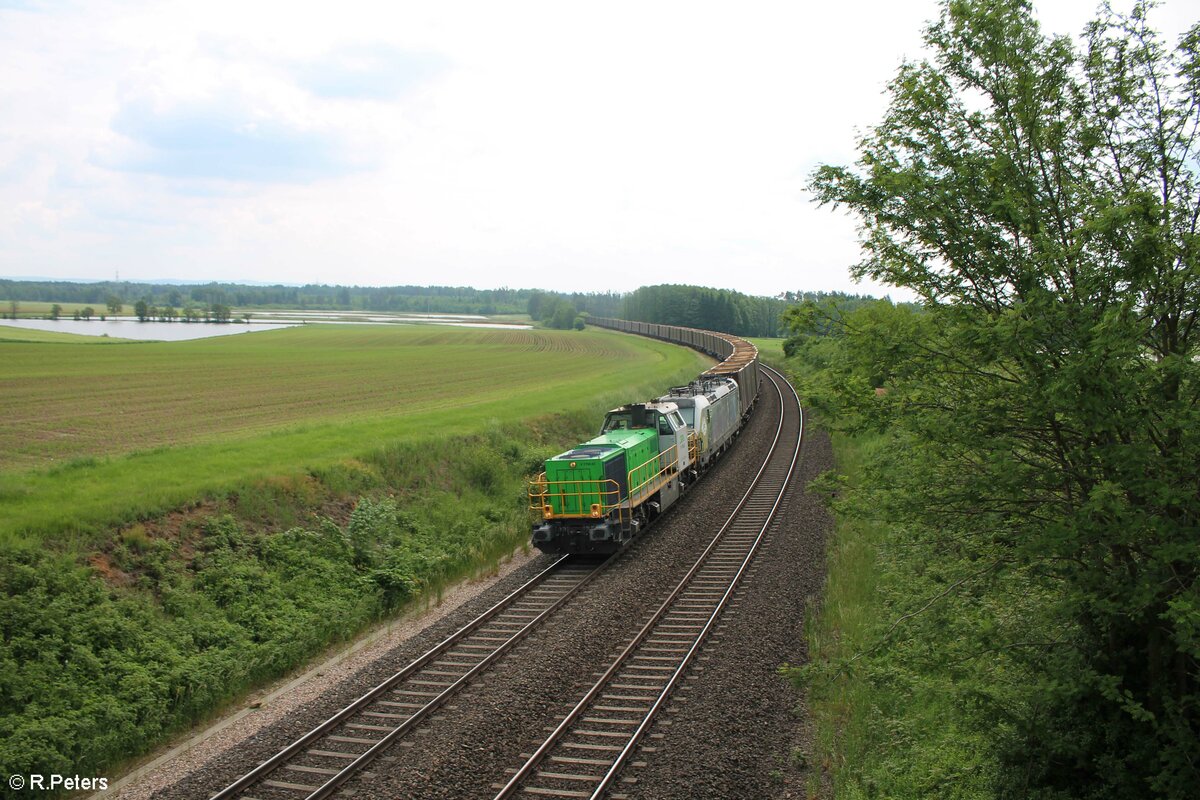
x: 629, y: 748
x: 280, y: 759
x: 535, y: 760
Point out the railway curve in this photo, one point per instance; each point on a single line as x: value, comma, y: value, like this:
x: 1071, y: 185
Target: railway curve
x: 588, y: 748
x: 740, y: 361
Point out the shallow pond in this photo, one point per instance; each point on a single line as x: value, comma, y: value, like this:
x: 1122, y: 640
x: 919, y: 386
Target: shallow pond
x: 132, y: 329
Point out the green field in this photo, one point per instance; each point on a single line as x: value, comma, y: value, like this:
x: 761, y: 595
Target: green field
x: 182, y: 522
x: 96, y: 436
x: 36, y: 309
x: 771, y: 349
x: 10, y: 334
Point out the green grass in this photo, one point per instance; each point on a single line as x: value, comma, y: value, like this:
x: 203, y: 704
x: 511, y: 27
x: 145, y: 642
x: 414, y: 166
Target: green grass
x: 889, y: 721
x: 36, y: 309
x: 10, y: 334
x: 71, y: 402
x: 770, y: 349
x: 108, y: 652
x: 121, y: 433
x: 230, y: 547
x: 841, y: 706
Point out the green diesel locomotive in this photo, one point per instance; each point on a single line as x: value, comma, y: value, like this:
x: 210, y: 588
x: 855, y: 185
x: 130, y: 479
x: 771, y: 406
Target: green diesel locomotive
x: 597, y: 496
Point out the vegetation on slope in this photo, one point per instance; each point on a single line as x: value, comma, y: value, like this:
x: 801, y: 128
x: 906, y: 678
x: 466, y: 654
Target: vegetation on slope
x: 1039, y: 629
x: 110, y: 642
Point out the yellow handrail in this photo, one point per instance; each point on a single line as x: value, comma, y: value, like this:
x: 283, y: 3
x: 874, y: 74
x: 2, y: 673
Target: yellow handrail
x: 655, y: 481
x: 541, y: 491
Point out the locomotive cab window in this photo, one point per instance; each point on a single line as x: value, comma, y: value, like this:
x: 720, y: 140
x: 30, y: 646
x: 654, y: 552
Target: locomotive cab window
x: 618, y: 422
x: 664, y: 426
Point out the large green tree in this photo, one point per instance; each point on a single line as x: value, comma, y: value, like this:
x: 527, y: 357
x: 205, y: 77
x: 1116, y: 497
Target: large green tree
x: 1041, y: 197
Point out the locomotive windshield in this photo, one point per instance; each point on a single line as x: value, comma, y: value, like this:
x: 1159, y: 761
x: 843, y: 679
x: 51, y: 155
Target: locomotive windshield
x: 618, y: 421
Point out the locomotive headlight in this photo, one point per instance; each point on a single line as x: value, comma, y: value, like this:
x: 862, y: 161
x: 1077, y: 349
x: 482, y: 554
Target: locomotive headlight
x: 547, y: 511
x: 596, y: 510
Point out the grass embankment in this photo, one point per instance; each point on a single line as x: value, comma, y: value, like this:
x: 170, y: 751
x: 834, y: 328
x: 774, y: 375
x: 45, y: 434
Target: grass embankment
x: 111, y: 641
x: 900, y: 721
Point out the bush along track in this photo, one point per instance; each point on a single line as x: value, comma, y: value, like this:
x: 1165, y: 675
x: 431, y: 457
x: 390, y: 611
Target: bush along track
x: 105, y: 652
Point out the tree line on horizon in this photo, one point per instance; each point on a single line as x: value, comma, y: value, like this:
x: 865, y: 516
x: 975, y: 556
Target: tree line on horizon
x: 398, y: 299
x: 722, y: 310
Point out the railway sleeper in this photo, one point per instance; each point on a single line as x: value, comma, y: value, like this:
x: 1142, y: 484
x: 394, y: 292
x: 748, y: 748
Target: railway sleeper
x: 605, y: 734
x: 385, y: 715
x: 553, y: 792
x: 352, y: 740
x: 442, y: 662
x: 621, y: 709
x: 313, y: 770
x: 329, y: 754
x: 443, y: 673
x: 611, y: 748
x: 568, y: 776
x: 591, y: 762
x: 295, y: 787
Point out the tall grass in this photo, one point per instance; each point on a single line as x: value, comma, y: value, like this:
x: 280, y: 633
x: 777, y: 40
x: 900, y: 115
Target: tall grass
x: 889, y: 721
x: 841, y: 626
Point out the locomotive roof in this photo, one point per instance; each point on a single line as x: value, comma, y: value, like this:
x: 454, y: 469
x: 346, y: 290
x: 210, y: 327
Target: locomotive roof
x: 707, y: 386
x: 606, y: 443
x: 660, y: 405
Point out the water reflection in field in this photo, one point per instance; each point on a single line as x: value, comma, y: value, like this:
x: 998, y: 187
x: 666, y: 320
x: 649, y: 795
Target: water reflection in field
x: 130, y: 328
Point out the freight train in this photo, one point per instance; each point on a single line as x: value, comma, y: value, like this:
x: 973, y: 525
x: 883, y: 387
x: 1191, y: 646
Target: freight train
x: 598, y: 495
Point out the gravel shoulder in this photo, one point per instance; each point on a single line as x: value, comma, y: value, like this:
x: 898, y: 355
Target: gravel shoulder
x: 276, y: 702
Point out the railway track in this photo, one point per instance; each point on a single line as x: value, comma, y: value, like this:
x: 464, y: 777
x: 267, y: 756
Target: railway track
x: 637, y: 684
x: 590, y: 746
x: 316, y: 764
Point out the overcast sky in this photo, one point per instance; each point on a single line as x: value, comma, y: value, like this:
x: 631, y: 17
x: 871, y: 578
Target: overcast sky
x: 560, y: 145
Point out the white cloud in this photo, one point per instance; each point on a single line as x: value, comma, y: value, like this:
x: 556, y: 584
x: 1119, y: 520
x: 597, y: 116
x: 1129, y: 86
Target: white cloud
x: 523, y: 144
x: 226, y: 138
x: 368, y: 72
